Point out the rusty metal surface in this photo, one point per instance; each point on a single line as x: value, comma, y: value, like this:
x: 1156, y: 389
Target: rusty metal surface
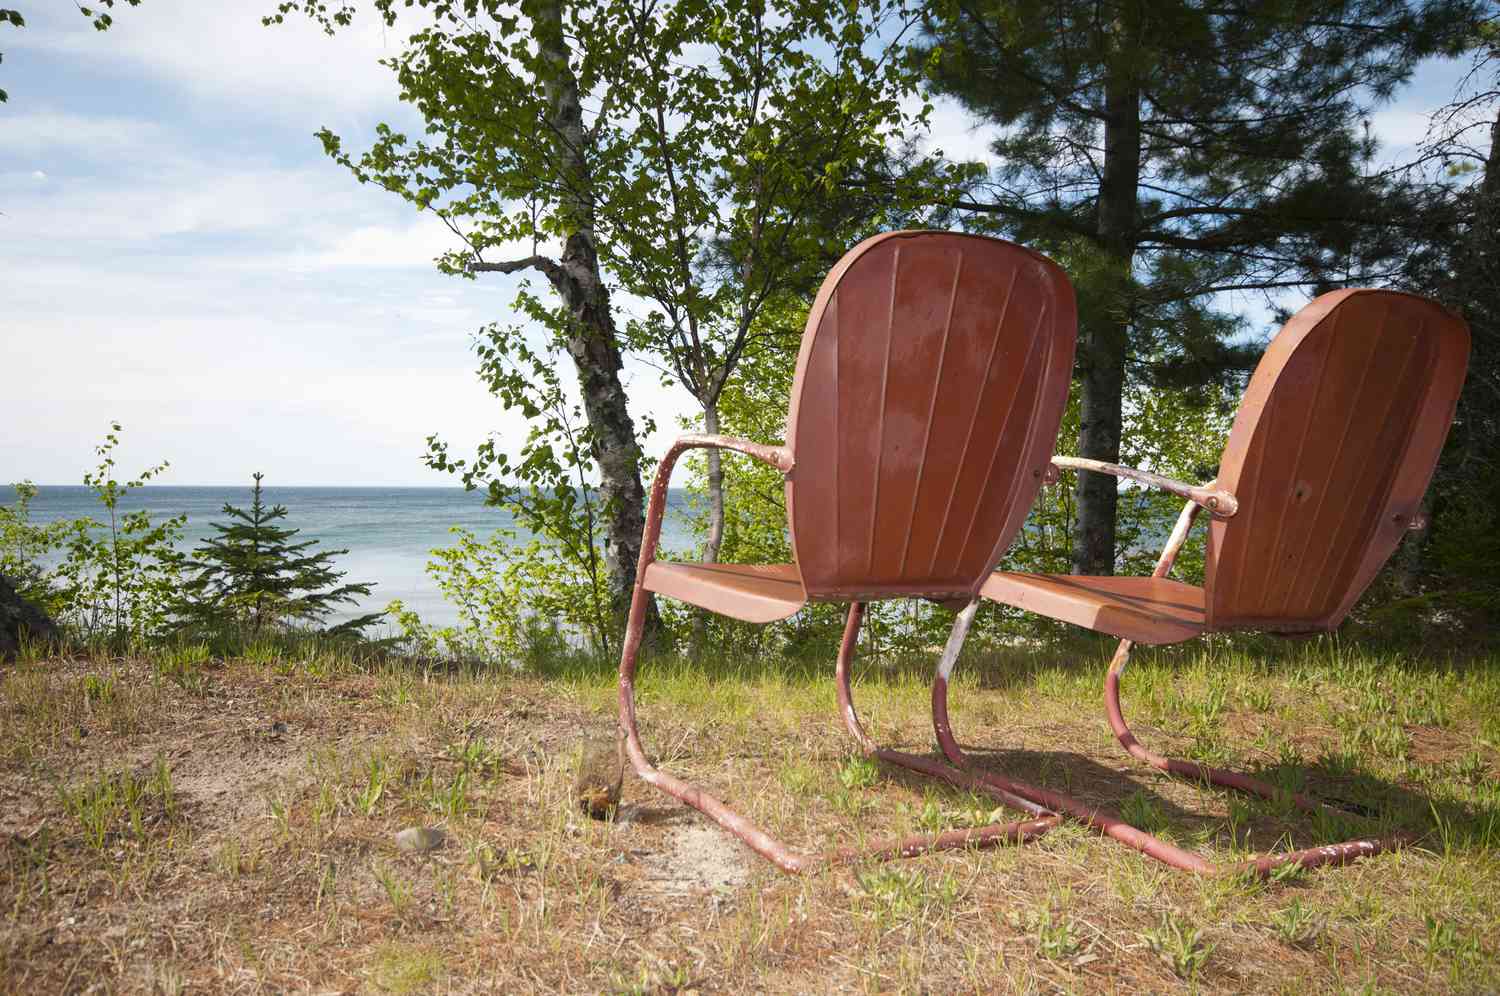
x: 1221, y: 503
x: 1110, y: 823
x: 930, y: 385
x: 757, y: 593
x: 917, y: 762
x: 1330, y: 454
x: 1149, y: 609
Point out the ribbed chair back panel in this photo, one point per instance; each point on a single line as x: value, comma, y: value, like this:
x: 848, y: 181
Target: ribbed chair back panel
x: 929, y: 390
x: 1329, y: 456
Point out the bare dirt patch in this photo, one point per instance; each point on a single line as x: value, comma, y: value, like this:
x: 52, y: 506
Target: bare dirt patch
x: 696, y: 858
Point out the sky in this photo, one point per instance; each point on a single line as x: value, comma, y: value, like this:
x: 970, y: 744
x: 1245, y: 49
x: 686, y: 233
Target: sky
x: 177, y: 254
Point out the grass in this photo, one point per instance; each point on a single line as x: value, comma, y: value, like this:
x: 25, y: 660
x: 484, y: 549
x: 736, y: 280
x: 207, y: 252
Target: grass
x: 191, y: 820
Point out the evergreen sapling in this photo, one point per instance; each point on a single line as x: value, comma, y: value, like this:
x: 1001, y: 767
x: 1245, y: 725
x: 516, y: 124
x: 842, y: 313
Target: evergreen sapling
x: 253, y: 575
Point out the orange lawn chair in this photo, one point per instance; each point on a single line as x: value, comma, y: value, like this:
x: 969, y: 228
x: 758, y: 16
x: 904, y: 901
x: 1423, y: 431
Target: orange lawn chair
x: 932, y: 378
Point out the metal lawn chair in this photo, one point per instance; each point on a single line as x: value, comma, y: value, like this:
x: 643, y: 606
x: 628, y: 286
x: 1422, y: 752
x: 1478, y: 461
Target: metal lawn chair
x: 1324, y: 472
x: 932, y: 378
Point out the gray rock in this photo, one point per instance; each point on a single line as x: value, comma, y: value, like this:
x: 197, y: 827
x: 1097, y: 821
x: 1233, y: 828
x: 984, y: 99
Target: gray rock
x: 20, y: 620
x: 420, y: 840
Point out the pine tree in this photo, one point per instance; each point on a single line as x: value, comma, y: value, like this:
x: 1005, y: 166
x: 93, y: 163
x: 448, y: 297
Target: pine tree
x: 252, y: 575
x: 1176, y: 149
x: 1451, y: 565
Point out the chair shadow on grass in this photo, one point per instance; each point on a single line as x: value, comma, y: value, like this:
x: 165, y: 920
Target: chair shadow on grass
x: 1232, y: 824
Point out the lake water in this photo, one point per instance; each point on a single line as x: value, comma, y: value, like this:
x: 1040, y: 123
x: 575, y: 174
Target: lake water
x: 387, y: 531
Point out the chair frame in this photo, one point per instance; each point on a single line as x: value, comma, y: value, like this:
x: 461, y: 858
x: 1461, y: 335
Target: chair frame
x: 995, y: 324
x: 785, y: 858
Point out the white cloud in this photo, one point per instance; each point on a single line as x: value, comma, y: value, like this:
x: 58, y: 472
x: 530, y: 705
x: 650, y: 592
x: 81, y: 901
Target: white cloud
x: 66, y: 134
x: 955, y: 131
x: 220, y: 51
x: 417, y: 243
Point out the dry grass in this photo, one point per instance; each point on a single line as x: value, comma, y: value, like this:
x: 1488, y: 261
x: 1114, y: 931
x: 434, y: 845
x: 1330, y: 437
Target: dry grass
x: 185, y: 824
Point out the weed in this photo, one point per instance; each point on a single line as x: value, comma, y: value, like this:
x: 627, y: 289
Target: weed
x: 665, y: 978
x: 1181, y: 947
x: 327, y: 883
x: 1286, y: 873
x: 799, y: 777
x: 1237, y: 822
x: 184, y: 666
x: 1450, y: 947
x: 397, y: 691
x: 405, y: 968
x: 452, y: 799
x: 931, y: 819
x: 121, y: 803
x: 490, y: 863
x: 98, y: 690
x: 900, y: 894
x: 264, y: 652
x: 396, y: 890
x: 232, y: 860
x: 1296, y: 924
x: 1141, y: 812
x: 1258, y: 696
x: 1472, y: 767
x: 859, y: 772
x: 281, y: 817
x: 1054, y: 935
x: 368, y: 797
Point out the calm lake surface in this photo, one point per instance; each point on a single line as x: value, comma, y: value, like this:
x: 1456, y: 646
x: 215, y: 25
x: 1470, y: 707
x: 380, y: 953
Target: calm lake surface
x: 388, y: 532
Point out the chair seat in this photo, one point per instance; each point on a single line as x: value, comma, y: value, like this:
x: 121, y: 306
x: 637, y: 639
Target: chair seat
x: 757, y: 593
x: 1147, y: 610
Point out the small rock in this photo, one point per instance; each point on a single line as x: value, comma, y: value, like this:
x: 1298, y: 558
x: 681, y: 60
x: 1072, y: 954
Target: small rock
x: 420, y: 840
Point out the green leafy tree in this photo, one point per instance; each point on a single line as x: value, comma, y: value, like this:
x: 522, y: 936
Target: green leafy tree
x: 709, y: 157
x: 559, y: 575
x: 508, y: 161
x: 118, y: 578
x: 760, y: 137
x: 254, y: 576
x: 1174, y: 150
x: 25, y: 546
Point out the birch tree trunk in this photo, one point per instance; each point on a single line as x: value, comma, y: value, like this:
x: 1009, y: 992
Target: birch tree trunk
x: 593, y: 342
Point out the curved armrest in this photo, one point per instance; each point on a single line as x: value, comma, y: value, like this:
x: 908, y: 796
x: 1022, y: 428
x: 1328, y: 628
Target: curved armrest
x: 779, y: 457
x: 1220, y: 503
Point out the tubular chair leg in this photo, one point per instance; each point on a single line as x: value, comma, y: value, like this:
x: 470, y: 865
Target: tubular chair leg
x: 1331, y: 854
x: 753, y: 836
x: 1043, y: 818
x: 1110, y: 824
x: 1100, y: 819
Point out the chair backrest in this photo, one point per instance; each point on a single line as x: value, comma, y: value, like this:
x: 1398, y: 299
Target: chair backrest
x: 932, y: 379
x: 1330, y: 455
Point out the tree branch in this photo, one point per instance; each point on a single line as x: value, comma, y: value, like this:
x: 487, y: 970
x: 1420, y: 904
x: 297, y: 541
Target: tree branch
x: 550, y: 267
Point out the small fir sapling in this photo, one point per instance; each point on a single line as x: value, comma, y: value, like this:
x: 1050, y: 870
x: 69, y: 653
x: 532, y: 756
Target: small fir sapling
x: 253, y: 575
